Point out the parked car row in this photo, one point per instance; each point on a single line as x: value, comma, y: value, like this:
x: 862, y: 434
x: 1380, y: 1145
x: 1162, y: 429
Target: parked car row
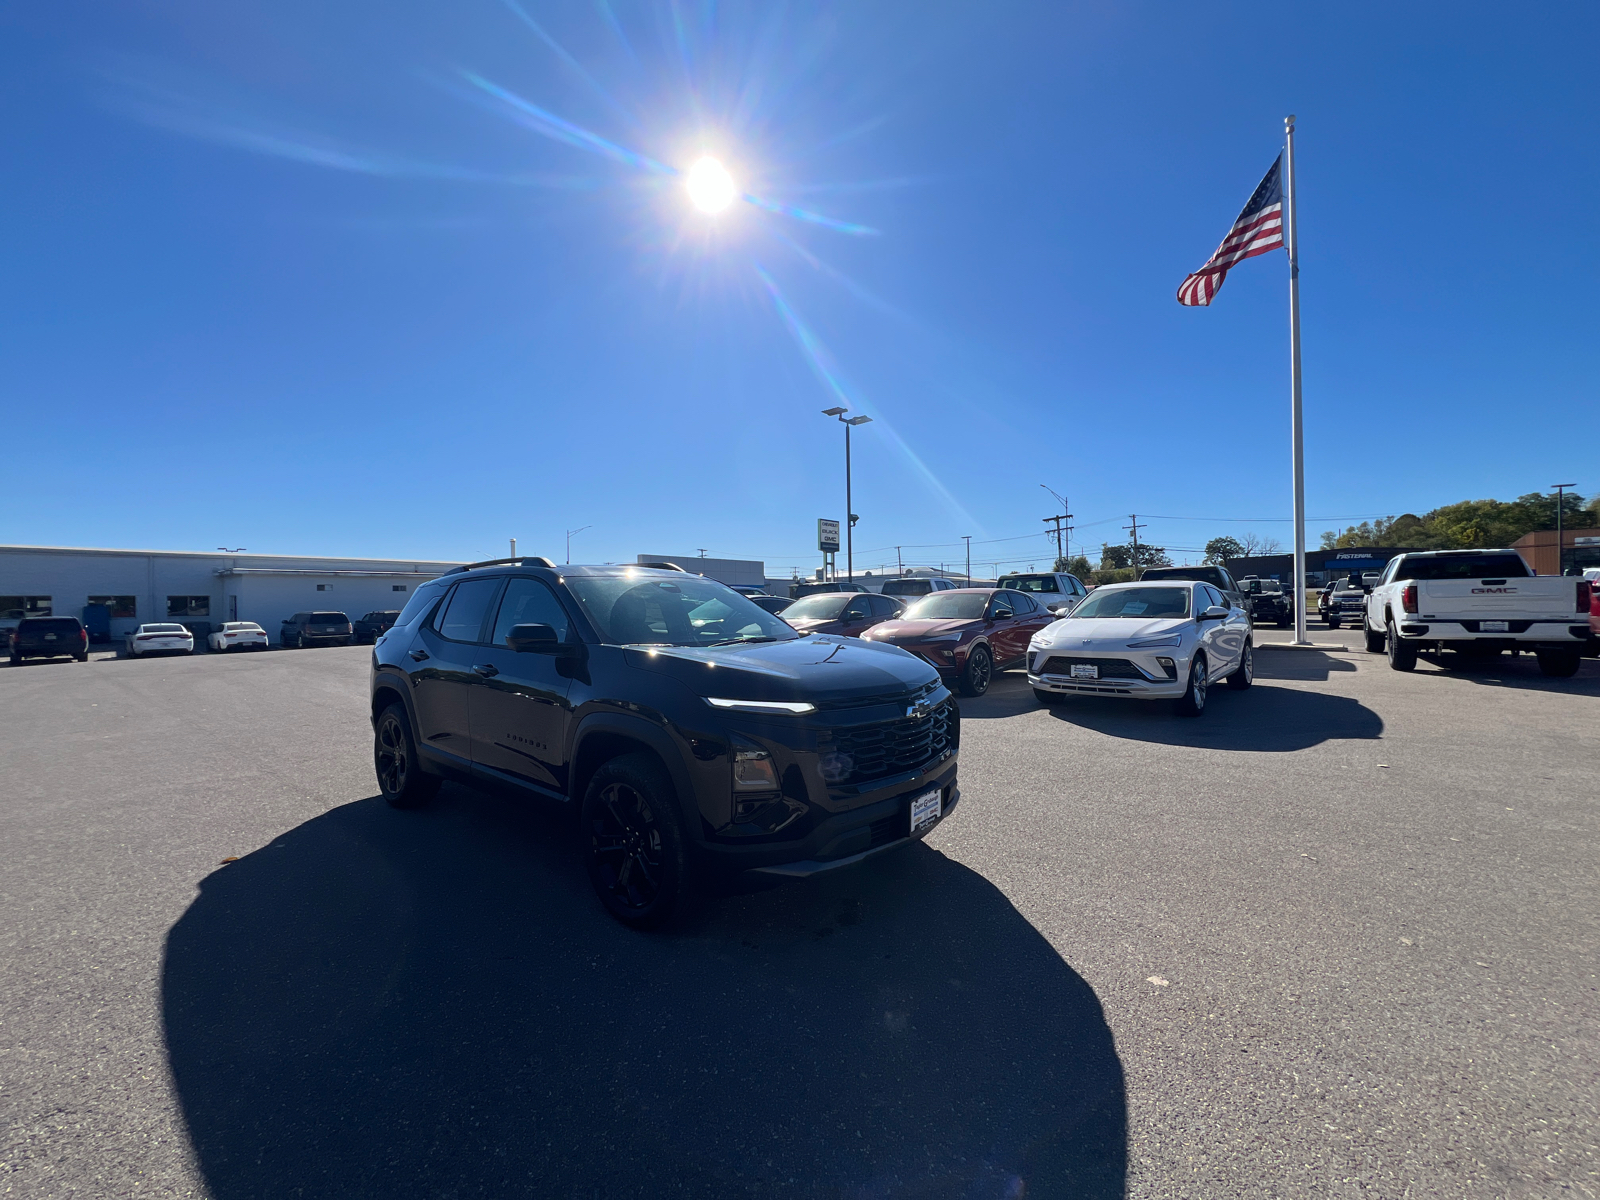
x: 67, y: 637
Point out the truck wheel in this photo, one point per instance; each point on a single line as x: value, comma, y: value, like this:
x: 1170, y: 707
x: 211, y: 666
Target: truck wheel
x: 1374, y: 640
x: 1559, y: 664
x: 1245, y: 673
x: 1333, y: 622
x: 1402, y: 657
x: 394, y: 757
x: 84, y: 657
x: 1193, y: 701
x: 979, y: 670
x: 634, y: 848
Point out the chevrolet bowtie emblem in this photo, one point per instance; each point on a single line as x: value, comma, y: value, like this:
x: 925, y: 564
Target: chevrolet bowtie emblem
x: 917, y: 710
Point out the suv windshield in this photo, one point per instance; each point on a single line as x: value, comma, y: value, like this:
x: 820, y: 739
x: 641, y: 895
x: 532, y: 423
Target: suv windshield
x: 823, y: 606
x: 1209, y: 575
x: 1031, y: 583
x: 634, y: 609
x: 948, y: 606
x: 330, y: 618
x: 1258, y: 587
x: 1142, y: 602
x: 1465, y: 566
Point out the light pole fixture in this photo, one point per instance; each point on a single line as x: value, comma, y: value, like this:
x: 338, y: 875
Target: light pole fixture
x: 570, y: 532
x: 235, y: 550
x: 850, y: 517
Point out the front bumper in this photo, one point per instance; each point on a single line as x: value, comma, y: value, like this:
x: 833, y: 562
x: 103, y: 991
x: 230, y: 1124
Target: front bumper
x: 848, y: 837
x: 1151, y: 682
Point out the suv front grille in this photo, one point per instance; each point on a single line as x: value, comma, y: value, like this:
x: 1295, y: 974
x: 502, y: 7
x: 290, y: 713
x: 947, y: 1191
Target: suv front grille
x: 868, y: 752
x: 1110, y: 668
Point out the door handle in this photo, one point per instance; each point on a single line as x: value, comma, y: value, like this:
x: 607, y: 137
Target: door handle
x: 418, y: 655
x: 487, y: 670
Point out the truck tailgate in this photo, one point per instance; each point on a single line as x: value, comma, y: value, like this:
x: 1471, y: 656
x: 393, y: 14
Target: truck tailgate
x: 1546, y: 597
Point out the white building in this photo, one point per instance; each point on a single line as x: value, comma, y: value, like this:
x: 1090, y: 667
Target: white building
x: 746, y: 572
x: 199, y: 589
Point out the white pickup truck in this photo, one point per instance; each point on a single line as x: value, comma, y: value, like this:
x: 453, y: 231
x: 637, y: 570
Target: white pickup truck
x: 1478, y: 602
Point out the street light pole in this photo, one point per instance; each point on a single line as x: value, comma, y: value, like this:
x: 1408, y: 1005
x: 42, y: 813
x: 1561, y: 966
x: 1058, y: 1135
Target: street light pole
x: 849, y: 516
x: 1560, y: 533
x: 967, y: 537
x: 570, y: 532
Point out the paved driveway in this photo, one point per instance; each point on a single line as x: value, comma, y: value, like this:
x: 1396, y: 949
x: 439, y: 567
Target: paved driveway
x: 1335, y: 938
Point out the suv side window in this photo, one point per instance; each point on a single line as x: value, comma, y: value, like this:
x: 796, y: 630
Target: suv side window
x: 1000, y: 608
x: 461, y: 619
x: 529, y: 602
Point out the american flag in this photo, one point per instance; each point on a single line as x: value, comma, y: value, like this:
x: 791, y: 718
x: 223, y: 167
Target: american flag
x: 1258, y: 229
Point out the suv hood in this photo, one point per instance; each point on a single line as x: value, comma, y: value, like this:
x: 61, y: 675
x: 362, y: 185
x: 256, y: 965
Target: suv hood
x: 821, y: 668
x: 1112, y: 631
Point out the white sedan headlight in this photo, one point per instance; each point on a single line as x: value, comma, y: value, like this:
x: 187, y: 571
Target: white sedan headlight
x: 1172, y: 639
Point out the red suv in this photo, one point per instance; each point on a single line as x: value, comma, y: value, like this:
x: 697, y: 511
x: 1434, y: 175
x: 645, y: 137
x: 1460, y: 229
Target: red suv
x: 967, y: 634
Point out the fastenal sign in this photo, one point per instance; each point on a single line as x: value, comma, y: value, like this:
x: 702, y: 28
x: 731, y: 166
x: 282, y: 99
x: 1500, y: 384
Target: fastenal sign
x: 827, y: 534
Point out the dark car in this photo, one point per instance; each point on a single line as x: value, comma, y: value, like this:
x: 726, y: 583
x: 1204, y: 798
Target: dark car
x: 771, y: 604
x: 849, y: 614
x: 1268, y: 602
x: 1347, y: 602
x: 967, y: 634
x: 314, y: 628
x: 695, y: 732
x: 49, y: 637
x: 373, y: 626
x: 1218, y: 577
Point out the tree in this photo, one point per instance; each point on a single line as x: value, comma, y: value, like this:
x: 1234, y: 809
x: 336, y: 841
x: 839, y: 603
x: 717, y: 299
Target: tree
x: 1078, y: 565
x: 1114, y: 558
x: 1223, y: 549
x: 1255, y: 544
x: 1148, y: 556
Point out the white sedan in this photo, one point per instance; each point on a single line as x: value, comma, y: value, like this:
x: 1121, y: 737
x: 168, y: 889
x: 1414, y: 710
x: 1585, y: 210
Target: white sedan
x: 238, y: 635
x: 159, y: 639
x: 1148, y: 641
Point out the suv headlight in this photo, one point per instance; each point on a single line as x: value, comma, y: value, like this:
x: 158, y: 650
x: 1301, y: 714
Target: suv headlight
x: 753, y: 769
x: 1174, y: 639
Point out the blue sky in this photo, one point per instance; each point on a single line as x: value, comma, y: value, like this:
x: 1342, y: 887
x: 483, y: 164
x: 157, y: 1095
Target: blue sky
x: 298, y: 277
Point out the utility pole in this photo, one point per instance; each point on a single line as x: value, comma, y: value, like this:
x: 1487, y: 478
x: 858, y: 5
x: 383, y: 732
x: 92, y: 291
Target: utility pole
x: 1561, y: 545
x: 899, y: 563
x: 1063, y: 539
x: 1134, y: 529
x: 967, y: 537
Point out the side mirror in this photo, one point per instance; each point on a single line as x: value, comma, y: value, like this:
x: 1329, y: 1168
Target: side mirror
x: 1215, y: 613
x: 533, y: 639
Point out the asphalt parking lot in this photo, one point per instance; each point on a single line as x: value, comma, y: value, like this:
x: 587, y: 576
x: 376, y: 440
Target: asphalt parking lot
x: 1337, y: 937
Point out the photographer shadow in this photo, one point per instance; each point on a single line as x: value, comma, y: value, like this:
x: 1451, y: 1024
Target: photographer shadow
x: 433, y: 1004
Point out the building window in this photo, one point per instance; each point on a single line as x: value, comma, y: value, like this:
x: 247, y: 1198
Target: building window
x: 188, y: 606
x: 120, y: 606
x: 324, y: 587
x: 399, y: 587
x: 15, y: 607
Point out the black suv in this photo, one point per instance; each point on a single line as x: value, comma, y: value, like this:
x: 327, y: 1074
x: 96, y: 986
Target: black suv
x: 695, y: 732
x: 308, y: 628
x: 1268, y: 602
x: 1218, y: 577
x: 49, y: 637
x: 374, y: 625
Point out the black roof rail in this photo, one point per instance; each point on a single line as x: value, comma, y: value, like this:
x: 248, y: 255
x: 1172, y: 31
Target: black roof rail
x: 525, y: 560
x: 662, y: 566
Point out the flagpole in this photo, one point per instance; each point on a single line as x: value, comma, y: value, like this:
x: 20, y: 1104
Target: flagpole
x: 1296, y: 424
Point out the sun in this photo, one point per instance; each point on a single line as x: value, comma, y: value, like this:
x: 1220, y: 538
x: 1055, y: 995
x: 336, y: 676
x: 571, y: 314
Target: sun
x: 710, y: 186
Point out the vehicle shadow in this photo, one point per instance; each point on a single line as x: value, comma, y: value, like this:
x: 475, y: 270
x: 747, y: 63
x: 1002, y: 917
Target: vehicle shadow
x: 433, y: 1004
x: 1275, y: 662
x: 1263, y: 719
x: 1507, y: 671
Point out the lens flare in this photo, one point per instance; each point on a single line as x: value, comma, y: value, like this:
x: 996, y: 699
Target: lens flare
x: 710, y: 186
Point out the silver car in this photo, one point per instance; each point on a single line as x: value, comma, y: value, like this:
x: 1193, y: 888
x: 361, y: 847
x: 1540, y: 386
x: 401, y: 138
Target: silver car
x: 1147, y: 641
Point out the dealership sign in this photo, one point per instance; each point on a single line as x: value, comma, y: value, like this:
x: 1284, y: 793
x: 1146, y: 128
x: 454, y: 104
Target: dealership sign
x: 827, y: 534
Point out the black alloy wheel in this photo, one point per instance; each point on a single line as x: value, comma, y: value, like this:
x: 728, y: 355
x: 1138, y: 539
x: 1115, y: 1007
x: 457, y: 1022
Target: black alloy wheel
x: 1559, y: 664
x: 1193, y: 701
x: 979, y: 671
x: 394, y: 758
x: 1245, y: 673
x: 1402, y: 656
x: 635, y: 845
x: 1374, y: 640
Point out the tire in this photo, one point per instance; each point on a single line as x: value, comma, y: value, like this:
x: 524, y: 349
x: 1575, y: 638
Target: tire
x: 1333, y: 622
x: 84, y: 657
x: 16, y: 660
x: 1245, y: 673
x: 1285, y: 623
x: 1048, y: 698
x: 1375, y: 641
x: 633, y: 841
x: 978, y: 673
x: 1193, y: 701
x: 1559, y: 664
x: 1402, y: 657
x: 401, y: 778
